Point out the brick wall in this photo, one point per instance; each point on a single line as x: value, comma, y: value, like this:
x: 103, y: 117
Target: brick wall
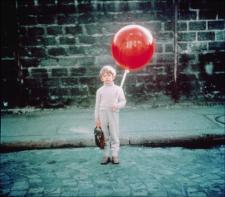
x: 61, y: 45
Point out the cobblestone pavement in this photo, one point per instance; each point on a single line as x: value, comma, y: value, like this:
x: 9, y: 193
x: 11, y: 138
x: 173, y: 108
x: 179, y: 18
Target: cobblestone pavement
x: 156, y: 172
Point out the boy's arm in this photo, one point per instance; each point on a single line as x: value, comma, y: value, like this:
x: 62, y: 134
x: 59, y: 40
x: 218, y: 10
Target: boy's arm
x: 121, y: 99
x: 97, y: 104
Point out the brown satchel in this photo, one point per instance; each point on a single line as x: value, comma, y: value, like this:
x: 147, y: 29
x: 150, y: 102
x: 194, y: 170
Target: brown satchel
x: 99, y: 137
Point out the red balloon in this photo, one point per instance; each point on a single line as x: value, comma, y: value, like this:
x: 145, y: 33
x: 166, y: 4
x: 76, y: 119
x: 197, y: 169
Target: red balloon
x: 133, y: 47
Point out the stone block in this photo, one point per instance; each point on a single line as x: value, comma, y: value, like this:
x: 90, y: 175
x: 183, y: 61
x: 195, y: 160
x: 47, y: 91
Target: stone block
x: 92, y: 29
x: 68, y: 61
x: 169, y: 48
x: 182, y: 46
x: 220, y: 35
x: 78, y: 71
x: 189, y: 36
x: 27, y: 20
x: 207, y: 14
x: 163, y: 5
x: 51, y: 82
x: 67, y: 8
x: 165, y: 15
x: 186, y: 59
x: 25, y: 3
x: 93, y: 71
x: 67, y: 40
x: 207, y: 57
x: 165, y: 58
x: 68, y: 19
x: 92, y: 90
x: 30, y: 62
x: 111, y: 27
x: 86, y: 18
x: 75, y: 91
x: 168, y: 26
x: 219, y: 81
x: 86, y: 39
x: 183, y: 5
x: 182, y: 26
x: 73, y: 50
x: 46, y: 9
x: 54, y: 30
x: 84, y: 7
x: 31, y: 41
x: 156, y: 69
x: 65, y: 2
x: 88, y: 80
x: 207, y: 5
x: 73, y: 30
x: 159, y: 48
x: 96, y: 50
x: 59, y: 72
x: 187, y: 77
x: 86, y: 61
x: 221, y: 14
x: 104, y: 59
x: 103, y: 40
x: 166, y: 36
x: 59, y: 92
x: 206, y: 36
x: 57, y: 51
x: 39, y: 73
x: 187, y: 15
x: 216, y: 25
x: 218, y: 67
x: 197, y: 25
x: 24, y: 73
x: 46, y: 19
x: 27, y: 10
x: 38, y: 52
x: 35, y: 31
x: 216, y: 45
x: 154, y: 26
x: 143, y: 5
x: 48, y: 41
x: 48, y: 62
x: 197, y: 46
x: 46, y: 2
x: 123, y: 7
x: 70, y: 82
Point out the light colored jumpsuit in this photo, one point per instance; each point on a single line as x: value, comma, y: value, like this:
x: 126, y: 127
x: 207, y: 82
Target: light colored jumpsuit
x: 106, y: 96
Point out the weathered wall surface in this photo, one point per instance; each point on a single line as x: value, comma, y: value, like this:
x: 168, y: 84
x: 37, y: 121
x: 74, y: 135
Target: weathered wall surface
x: 60, y: 46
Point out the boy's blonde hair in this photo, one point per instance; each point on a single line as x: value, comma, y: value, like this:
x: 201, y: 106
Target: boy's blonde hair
x: 107, y: 69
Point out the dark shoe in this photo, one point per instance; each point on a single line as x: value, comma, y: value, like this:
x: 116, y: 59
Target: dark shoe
x: 105, y: 160
x: 115, y: 160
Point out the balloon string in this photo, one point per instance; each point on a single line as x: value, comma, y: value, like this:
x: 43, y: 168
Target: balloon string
x: 124, y: 77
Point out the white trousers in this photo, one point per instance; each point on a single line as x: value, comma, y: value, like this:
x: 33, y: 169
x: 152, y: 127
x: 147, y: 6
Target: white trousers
x: 110, y: 126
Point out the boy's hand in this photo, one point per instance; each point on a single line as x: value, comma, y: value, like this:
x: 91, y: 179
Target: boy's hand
x: 114, y: 107
x: 98, y: 124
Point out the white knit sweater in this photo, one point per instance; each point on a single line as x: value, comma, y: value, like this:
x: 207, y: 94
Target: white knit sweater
x: 108, y: 95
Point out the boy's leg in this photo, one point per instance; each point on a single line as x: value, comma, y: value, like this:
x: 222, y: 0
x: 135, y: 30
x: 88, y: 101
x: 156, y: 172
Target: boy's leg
x: 105, y: 129
x: 114, y: 132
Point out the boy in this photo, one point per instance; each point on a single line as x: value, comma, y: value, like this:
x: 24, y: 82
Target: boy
x: 109, y: 99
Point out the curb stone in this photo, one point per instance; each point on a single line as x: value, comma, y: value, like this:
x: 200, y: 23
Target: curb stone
x: 204, y: 141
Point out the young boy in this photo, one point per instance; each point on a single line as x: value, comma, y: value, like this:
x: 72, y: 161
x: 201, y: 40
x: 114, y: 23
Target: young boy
x: 109, y: 99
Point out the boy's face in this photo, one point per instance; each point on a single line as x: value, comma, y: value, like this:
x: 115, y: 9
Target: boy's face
x: 107, y: 78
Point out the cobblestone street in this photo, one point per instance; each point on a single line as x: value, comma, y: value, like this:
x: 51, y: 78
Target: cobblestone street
x: 158, y: 172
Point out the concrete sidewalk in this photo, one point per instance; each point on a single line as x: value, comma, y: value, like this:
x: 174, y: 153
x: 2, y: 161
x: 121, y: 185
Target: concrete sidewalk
x: 178, y: 125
